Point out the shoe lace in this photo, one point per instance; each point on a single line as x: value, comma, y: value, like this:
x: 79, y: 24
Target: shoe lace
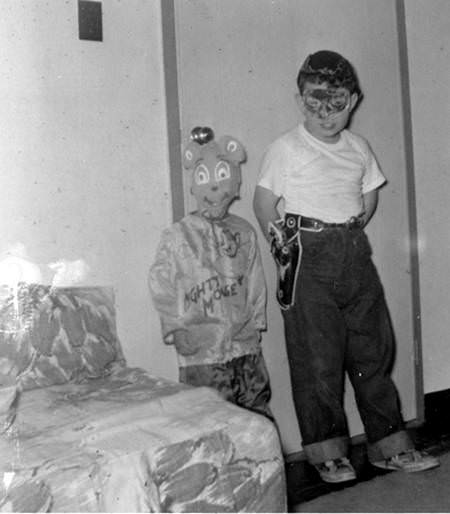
x: 334, y: 465
x: 408, y: 456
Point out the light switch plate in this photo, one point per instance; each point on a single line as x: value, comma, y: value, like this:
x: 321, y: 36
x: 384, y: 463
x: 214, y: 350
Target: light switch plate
x: 90, y: 20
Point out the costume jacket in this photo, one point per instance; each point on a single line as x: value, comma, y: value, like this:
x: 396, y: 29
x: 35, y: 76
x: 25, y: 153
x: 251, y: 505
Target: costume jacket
x: 207, y: 278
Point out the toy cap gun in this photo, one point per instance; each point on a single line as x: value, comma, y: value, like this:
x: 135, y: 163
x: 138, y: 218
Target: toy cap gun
x: 286, y: 249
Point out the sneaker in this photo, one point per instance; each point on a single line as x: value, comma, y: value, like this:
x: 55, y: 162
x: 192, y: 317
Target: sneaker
x: 337, y: 470
x: 409, y: 461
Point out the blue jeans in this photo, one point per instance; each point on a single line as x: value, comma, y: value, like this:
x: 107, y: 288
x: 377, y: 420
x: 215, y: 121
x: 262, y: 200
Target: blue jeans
x: 340, y: 323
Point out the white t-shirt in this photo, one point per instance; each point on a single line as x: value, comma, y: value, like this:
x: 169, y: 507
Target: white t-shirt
x: 320, y: 180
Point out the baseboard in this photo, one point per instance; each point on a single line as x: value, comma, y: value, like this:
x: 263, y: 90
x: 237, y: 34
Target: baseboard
x: 437, y: 411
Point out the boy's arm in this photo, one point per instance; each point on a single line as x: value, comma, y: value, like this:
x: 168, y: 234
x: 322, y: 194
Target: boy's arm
x: 370, y: 204
x: 265, y: 206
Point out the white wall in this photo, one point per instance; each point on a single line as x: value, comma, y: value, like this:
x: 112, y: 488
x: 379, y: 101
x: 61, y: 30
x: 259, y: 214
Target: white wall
x: 428, y: 38
x: 238, y: 62
x: 83, y: 150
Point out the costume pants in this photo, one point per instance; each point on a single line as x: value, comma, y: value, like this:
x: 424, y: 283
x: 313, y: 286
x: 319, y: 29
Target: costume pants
x: 340, y: 323
x: 243, y: 381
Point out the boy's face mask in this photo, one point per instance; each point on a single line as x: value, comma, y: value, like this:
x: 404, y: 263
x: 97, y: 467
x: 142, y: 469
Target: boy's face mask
x: 323, y: 103
x: 216, y: 175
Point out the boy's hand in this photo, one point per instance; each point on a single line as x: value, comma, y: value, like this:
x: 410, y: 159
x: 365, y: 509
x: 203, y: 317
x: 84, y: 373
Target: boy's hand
x: 184, y: 344
x: 278, y: 243
x: 277, y: 235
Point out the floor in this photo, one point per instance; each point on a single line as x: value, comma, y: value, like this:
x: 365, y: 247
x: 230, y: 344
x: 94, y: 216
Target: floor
x: 425, y: 492
x: 303, y: 481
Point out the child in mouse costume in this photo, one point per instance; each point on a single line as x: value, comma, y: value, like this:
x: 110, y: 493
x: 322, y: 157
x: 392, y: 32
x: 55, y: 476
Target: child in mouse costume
x: 207, y: 281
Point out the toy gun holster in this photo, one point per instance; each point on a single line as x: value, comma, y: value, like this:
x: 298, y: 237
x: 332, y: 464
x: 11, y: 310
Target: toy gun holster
x: 286, y: 248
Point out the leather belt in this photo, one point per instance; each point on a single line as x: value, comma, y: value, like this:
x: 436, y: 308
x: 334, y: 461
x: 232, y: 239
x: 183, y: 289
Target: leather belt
x: 295, y: 222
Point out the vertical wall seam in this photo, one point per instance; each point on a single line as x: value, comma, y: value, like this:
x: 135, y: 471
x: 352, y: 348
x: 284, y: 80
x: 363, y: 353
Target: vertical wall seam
x: 411, y: 199
x: 172, y: 107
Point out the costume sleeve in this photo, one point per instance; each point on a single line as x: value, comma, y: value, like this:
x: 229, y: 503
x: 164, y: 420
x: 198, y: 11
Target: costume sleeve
x: 162, y: 284
x: 257, y: 291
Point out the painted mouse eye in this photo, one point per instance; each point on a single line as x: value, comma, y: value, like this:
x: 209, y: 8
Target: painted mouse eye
x: 201, y: 175
x: 222, y: 171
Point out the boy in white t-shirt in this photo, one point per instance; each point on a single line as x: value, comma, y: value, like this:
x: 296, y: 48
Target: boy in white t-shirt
x: 335, y: 314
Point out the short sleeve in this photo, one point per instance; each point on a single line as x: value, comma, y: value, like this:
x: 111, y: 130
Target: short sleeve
x: 373, y: 177
x: 272, y: 171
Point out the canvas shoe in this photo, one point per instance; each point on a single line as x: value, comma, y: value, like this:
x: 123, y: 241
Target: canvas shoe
x: 337, y: 470
x: 409, y: 461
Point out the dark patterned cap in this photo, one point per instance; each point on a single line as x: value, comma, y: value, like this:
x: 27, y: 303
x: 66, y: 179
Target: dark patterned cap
x: 331, y: 67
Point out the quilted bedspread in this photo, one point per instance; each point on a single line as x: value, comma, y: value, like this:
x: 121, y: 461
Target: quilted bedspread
x: 132, y: 442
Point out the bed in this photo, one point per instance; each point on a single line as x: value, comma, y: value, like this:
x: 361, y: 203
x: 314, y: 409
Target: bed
x: 83, y: 432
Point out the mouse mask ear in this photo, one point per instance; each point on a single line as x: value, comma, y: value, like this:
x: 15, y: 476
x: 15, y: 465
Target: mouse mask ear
x: 191, y: 155
x: 232, y: 150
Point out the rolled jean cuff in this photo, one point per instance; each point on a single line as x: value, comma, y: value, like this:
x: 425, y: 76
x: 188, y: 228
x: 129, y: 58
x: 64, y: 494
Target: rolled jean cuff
x: 329, y: 449
x: 389, y: 446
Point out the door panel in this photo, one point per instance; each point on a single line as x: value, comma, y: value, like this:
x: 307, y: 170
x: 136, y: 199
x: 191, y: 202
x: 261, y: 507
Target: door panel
x: 428, y: 35
x: 237, y: 67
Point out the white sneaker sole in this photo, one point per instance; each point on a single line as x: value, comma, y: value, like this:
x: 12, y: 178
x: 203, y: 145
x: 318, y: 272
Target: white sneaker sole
x: 338, y: 478
x: 412, y: 468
